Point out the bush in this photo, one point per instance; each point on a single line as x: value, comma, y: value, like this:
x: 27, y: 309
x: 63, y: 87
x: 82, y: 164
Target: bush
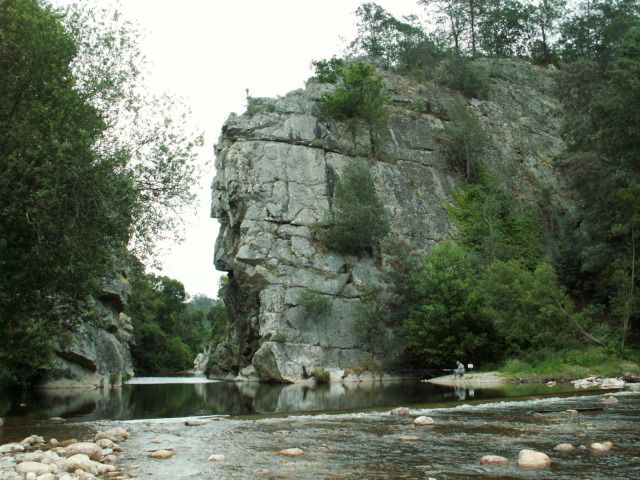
x: 315, y: 304
x: 359, y: 219
x: 321, y: 376
x: 359, y: 94
x: 460, y: 74
x: 279, y: 337
x: 328, y: 71
x: 260, y: 105
x: 464, y: 140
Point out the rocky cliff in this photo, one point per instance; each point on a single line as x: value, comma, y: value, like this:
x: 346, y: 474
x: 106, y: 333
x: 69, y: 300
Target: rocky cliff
x: 276, y: 169
x: 92, y: 349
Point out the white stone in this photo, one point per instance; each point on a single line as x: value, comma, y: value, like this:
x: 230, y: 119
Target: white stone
x: 90, y: 449
x: 82, y: 462
x: 114, y: 434
x: 33, y: 439
x: 216, y: 458
x: 533, y: 459
x: 292, y: 452
x: 162, y: 454
x: 402, y: 411
x: 105, y: 443
x: 564, y: 447
x: 46, y: 476
x: 601, y: 447
x: 34, y: 467
x: 422, y: 420
x: 11, y: 448
x: 493, y: 460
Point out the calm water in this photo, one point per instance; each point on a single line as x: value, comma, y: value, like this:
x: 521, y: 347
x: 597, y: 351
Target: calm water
x: 167, y: 397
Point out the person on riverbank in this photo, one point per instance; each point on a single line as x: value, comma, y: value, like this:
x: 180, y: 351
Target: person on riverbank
x: 458, y: 372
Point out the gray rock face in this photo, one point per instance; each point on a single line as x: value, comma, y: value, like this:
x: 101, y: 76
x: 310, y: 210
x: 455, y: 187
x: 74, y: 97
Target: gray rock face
x: 94, y: 351
x: 276, y: 171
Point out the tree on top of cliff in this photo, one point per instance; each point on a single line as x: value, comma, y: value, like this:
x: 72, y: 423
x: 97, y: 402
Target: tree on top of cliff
x: 358, y: 217
x: 84, y: 170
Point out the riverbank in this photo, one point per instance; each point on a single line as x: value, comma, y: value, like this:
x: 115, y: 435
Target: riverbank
x: 598, y: 441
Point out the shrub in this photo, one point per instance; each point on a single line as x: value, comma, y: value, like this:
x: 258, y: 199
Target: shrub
x: 358, y: 218
x: 279, y: 337
x: 359, y: 94
x: 260, y: 105
x: 321, y: 376
x: 460, y: 74
x: 464, y: 140
x: 315, y: 304
x: 328, y: 71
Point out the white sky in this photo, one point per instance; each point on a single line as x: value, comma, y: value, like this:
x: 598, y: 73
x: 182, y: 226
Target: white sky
x: 207, y: 52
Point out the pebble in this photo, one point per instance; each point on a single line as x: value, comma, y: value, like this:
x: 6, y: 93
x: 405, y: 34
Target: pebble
x: 216, y: 458
x: 421, y: 421
x: 292, y: 452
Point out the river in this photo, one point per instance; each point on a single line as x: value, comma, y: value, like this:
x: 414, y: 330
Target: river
x: 346, y: 431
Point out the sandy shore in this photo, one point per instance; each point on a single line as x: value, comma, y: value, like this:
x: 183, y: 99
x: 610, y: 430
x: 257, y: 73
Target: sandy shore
x: 472, y: 380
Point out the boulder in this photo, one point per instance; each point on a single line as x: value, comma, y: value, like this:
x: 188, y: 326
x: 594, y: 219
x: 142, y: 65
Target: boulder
x: 11, y: 448
x: 402, y: 411
x: 105, y: 443
x: 601, y: 447
x: 533, y: 459
x: 422, y: 421
x: 163, y: 454
x: 114, y: 434
x: 564, y: 447
x: 91, y: 450
x: 493, y: 460
x: 292, y: 452
x: 35, y: 467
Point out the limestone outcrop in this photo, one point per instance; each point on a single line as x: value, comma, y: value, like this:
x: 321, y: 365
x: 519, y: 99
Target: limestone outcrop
x: 92, y: 350
x: 276, y: 171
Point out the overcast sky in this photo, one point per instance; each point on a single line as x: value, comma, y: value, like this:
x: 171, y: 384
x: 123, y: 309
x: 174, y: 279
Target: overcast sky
x: 208, y: 52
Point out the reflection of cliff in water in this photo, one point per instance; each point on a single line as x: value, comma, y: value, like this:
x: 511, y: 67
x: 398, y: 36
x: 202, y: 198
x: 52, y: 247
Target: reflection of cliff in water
x: 161, y: 400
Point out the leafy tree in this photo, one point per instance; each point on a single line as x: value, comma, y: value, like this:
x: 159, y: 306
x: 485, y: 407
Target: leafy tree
x: 455, y: 14
x: 446, y: 323
x: 358, y: 218
x: 529, y: 309
x: 468, y: 78
x: 546, y: 17
x: 84, y: 171
x: 505, y: 28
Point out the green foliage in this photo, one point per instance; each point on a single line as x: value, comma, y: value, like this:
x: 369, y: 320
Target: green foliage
x: 168, y: 333
x: 359, y: 94
x: 494, y: 225
x: 464, y: 140
x: 461, y: 74
x: 315, y: 304
x: 279, y: 337
x: 328, y: 71
x: 260, y: 105
x: 358, y: 218
x: 446, y: 323
x: 321, y: 376
x: 528, y: 309
x: 88, y: 166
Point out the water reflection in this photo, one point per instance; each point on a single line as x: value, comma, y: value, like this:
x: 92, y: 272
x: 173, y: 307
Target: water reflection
x: 148, y: 399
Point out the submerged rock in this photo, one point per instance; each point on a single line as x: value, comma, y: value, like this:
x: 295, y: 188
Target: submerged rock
x: 533, y: 459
